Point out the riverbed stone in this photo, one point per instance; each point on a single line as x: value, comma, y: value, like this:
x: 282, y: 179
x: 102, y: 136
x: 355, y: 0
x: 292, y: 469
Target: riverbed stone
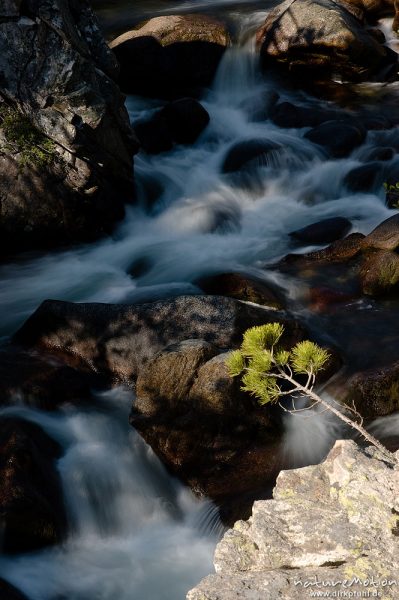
x: 66, y: 144
x: 43, y: 382
x: 373, y: 9
x: 186, y: 119
x: 154, y: 135
x: 242, y: 287
x: 337, y: 252
x: 287, y: 115
x: 374, y: 392
x: 385, y: 236
x: 323, y: 232
x: 171, y: 55
x: 314, y: 530
x: 365, y: 178
x: 248, y: 155
x: 32, y: 512
x: 316, y: 39
x: 379, y: 274
x: 117, y: 340
x: 338, y: 138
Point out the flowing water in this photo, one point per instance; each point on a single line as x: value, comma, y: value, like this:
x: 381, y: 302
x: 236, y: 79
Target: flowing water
x: 138, y: 534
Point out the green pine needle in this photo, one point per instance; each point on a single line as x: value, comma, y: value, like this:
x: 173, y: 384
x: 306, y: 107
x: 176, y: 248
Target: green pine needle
x: 265, y: 389
x: 261, y: 362
x: 235, y: 363
x: 308, y: 357
x: 261, y: 337
x: 282, y: 357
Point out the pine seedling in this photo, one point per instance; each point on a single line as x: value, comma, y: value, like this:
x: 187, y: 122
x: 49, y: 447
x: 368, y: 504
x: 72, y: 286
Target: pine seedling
x: 263, y: 366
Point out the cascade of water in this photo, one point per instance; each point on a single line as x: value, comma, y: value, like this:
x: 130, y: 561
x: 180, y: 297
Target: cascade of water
x: 135, y: 532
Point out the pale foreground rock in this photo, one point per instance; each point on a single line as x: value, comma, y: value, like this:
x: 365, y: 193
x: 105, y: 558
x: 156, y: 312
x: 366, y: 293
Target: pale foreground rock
x: 330, y: 527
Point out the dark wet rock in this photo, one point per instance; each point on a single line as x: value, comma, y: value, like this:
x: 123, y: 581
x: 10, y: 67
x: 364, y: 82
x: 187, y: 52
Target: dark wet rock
x: 116, y: 340
x: 241, y: 287
x: 202, y: 426
x: 324, y: 299
x: 320, y: 39
x: 260, y: 107
x: 374, y: 392
x: 289, y: 115
x: 248, y: 154
x: 379, y: 274
x: 43, y: 383
x: 186, y: 119
x: 9, y: 592
x: 385, y: 236
x: 373, y: 9
x: 66, y: 145
x: 376, y: 122
x: 338, y: 138
x: 180, y: 122
x: 154, y: 135
x: 365, y: 178
x: 323, y: 232
x: 339, y: 251
x: 168, y: 377
x: 32, y: 512
x: 383, y: 153
x: 170, y: 56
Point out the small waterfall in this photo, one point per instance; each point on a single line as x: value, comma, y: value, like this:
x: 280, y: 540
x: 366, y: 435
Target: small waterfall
x: 136, y: 532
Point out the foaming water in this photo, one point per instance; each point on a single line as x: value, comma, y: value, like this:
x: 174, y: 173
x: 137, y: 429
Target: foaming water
x: 136, y: 533
x: 202, y: 221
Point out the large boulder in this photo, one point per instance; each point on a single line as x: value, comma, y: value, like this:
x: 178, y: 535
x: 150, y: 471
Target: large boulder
x: 116, y: 340
x: 338, y: 138
x: 374, y: 392
x: 314, y: 536
x: 209, y: 433
x: 42, y: 381
x: 171, y: 56
x: 32, y: 513
x: 323, y: 38
x: 66, y: 145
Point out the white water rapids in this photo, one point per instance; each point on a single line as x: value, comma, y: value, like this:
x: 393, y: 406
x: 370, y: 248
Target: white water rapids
x: 137, y: 533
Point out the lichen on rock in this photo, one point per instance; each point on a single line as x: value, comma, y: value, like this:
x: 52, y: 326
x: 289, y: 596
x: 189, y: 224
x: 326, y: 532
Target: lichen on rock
x: 330, y: 526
